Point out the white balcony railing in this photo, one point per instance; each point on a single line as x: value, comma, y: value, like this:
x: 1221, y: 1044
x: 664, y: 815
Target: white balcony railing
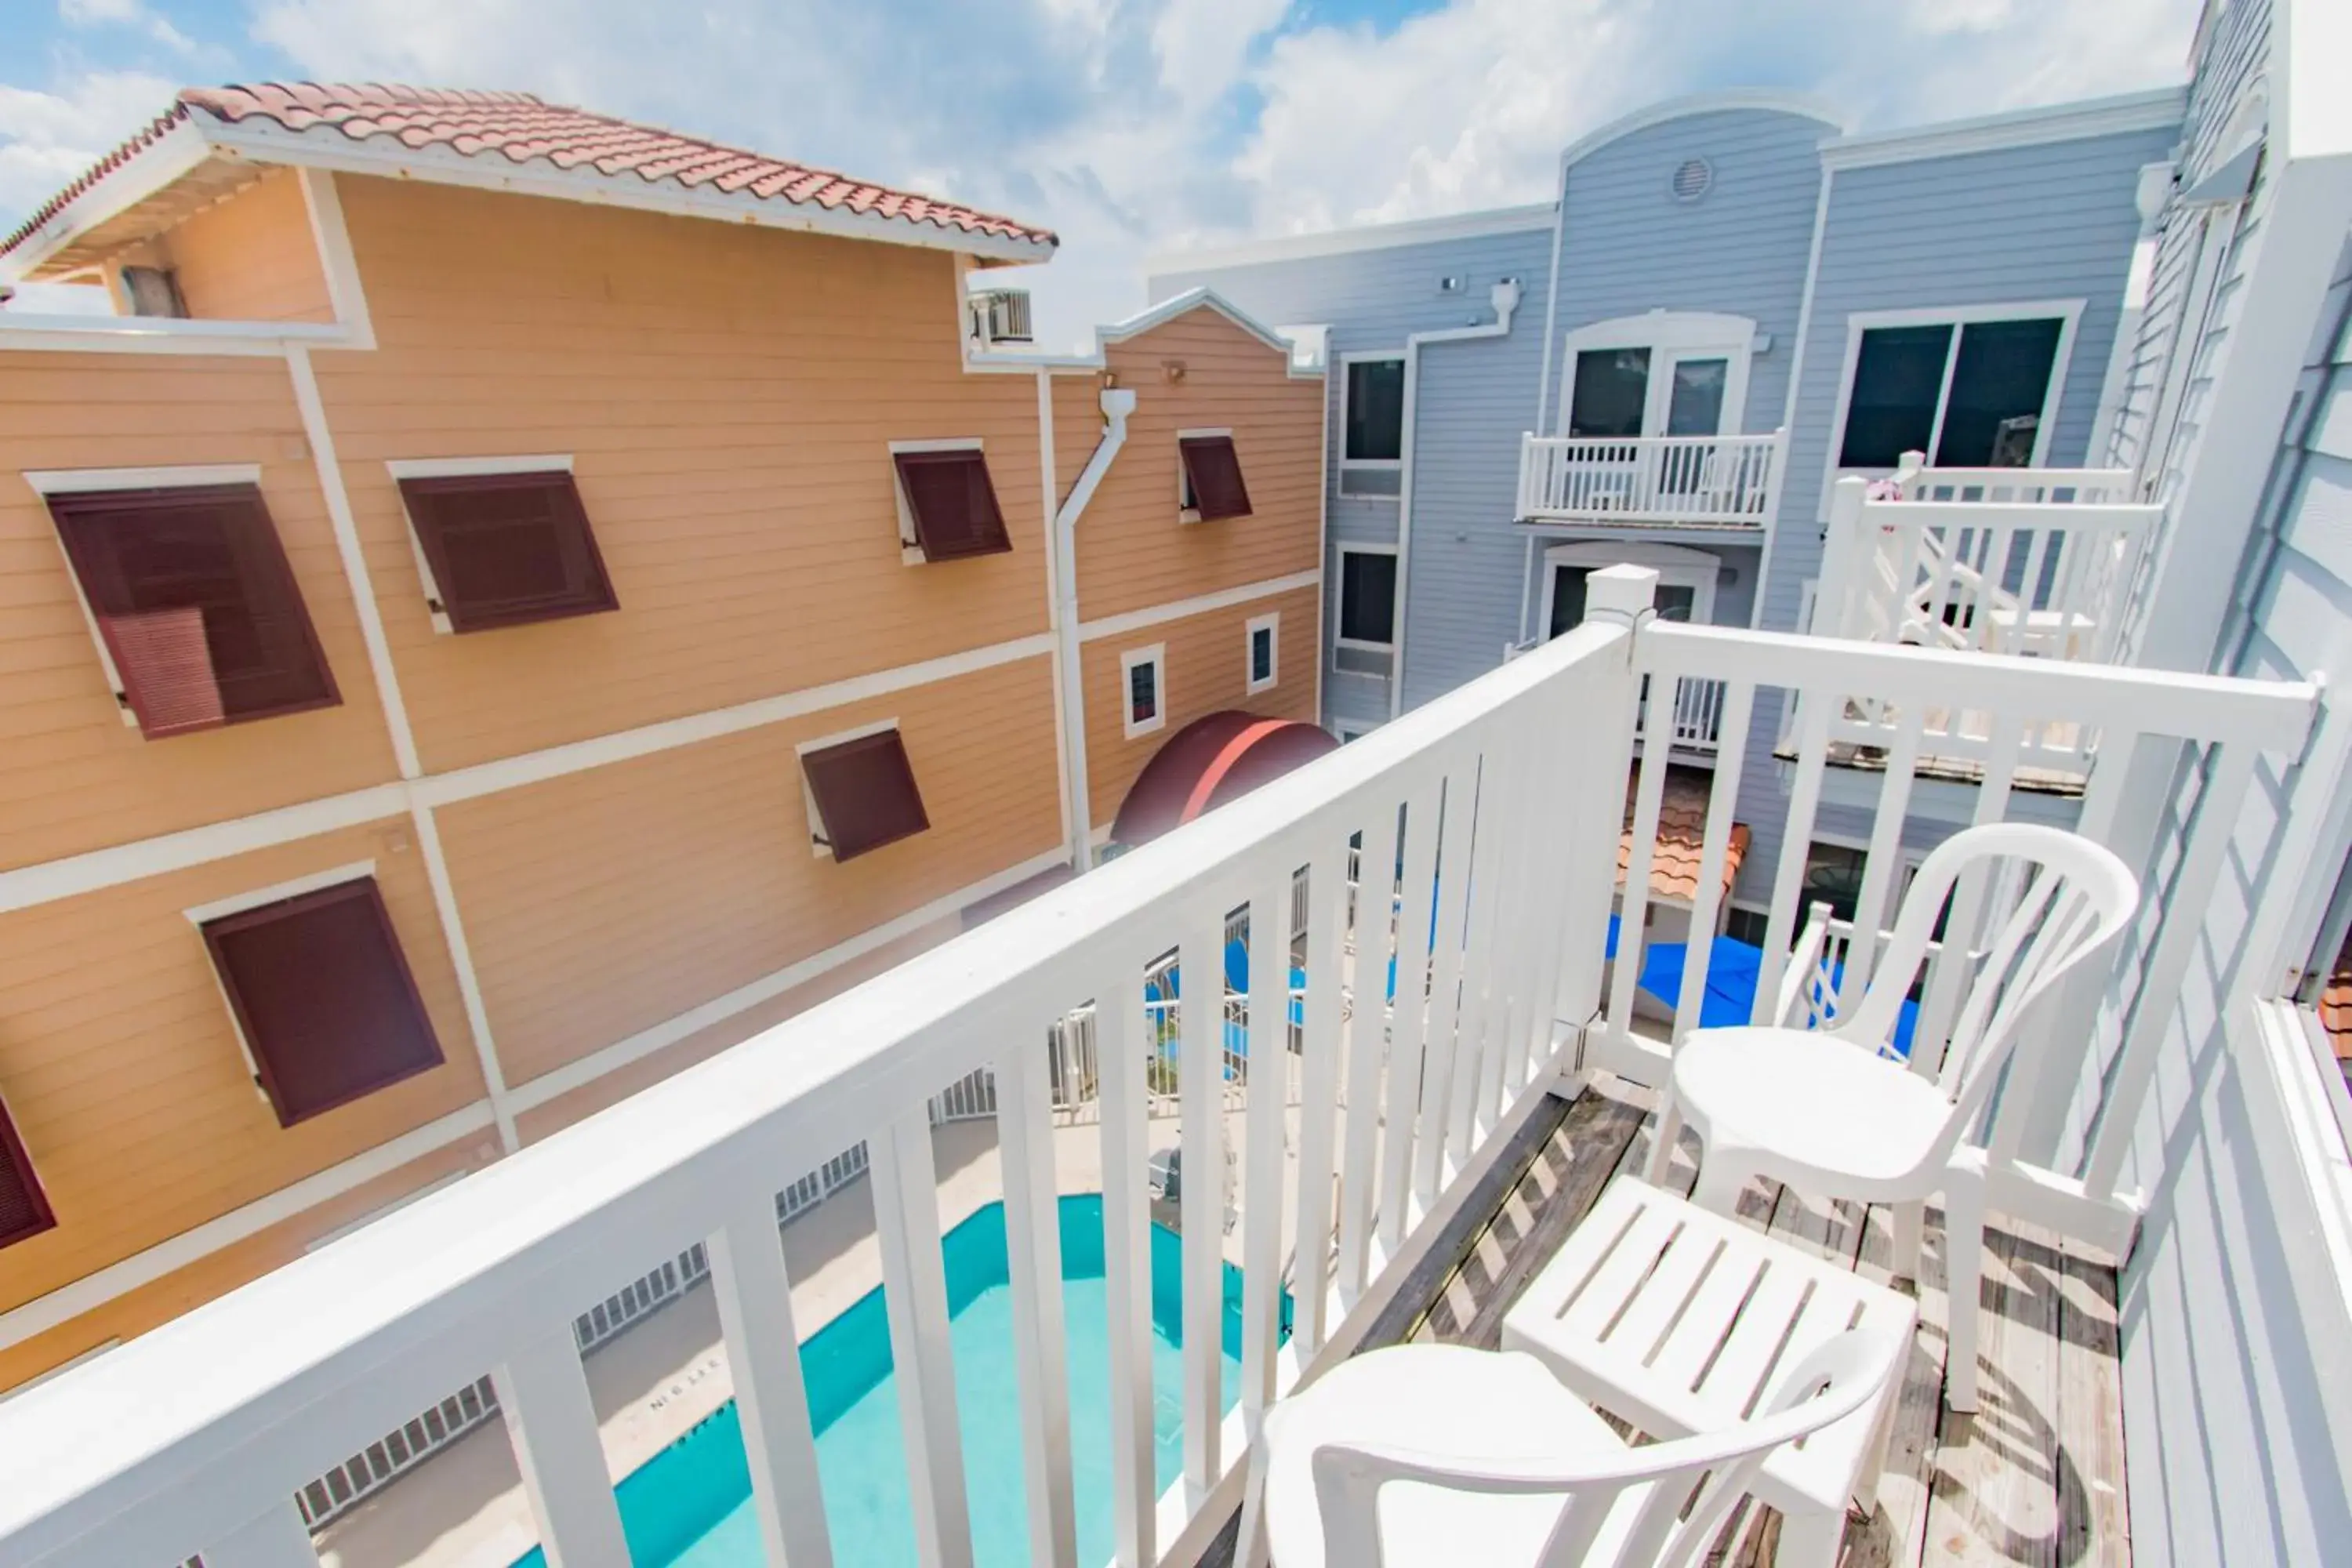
x: 1486, y: 828
x: 1714, y: 481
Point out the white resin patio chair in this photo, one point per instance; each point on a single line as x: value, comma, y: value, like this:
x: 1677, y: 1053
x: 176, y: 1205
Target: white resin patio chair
x: 1833, y: 1112
x: 1438, y: 1455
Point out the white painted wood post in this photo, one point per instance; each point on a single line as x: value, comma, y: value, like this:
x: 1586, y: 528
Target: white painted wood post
x: 543, y: 1394
x: 278, y: 1539
x: 1408, y: 1013
x: 763, y: 1353
x: 1200, y: 1074
x: 1843, y: 552
x: 1367, y: 1044
x: 1032, y: 1234
x: 1122, y: 1043
x: 1269, y: 1079
x: 1318, y: 1108
x: 915, y: 1291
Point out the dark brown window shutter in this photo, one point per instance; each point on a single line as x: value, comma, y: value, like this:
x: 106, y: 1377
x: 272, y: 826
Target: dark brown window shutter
x: 24, y: 1207
x: 954, y: 504
x: 866, y: 793
x: 324, y: 996
x: 1214, y: 470
x: 508, y: 549
x: 197, y: 605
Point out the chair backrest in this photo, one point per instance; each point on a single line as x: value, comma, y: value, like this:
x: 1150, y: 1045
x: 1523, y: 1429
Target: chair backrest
x: 1709, y: 1472
x: 2028, y: 903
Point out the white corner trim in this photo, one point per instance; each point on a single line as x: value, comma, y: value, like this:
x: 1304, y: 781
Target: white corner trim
x: 475, y: 467
x: 1155, y: 656
x: 1347, y: 241
x: 2156, y: 109
x: 238, y: 903
x: 1271, y: 625
x: 117, y: 1279
x: 84, y: 481
x: 345, y: 296
x: 1789, y: 407
x: 717, y: 1010
x: 1178, y: 609
x: 147, y: 171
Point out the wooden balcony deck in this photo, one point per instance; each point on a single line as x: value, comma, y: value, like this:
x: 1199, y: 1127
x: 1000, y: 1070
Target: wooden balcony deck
x: 2035, y: 1477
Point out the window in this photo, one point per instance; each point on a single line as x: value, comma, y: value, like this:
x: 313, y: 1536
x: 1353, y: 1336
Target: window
x: 1263, y: 657
x: 1143, y: 680
x: 947, y: 507
x: 1666, y: 372
x: 1971, y: 393
x: 1211, y: 475
x: 1685, y: 592
x: 1834, y: 874
x: 860, y: 792
x: 195, y: 609
x: 1367, y: 598
x: 1371, y: 425
x: 1612, y: 389
x: 24, y: 1208
x: 321, y: 996
x: 504, y: 548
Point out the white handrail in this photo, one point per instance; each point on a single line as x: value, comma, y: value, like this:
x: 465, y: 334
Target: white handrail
x: 1728, y: 480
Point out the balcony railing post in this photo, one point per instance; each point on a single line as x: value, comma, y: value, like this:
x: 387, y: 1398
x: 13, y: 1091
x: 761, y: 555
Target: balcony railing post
x: 1842, y: 557
x: 755, y: 1315
x: 543, y: 1391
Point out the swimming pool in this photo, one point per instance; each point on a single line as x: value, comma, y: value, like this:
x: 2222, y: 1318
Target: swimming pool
x: 690, y: 1505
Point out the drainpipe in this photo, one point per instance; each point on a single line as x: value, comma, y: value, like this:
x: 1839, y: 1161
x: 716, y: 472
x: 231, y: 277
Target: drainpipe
x: 1117, y: 404
x: 1505, y: 297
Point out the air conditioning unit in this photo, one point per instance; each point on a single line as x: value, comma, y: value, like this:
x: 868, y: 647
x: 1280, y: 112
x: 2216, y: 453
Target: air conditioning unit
x: 1000, y: 316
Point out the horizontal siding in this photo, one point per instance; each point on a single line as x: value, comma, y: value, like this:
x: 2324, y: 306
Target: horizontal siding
x: 123, y: 1069
x: 2234, y: 1458
x: 1198, y: 372
x: 73, y: 776
x: 1206, y: 674
x: 729, y: 397
x: 251, y: 256
x: 601, y: 903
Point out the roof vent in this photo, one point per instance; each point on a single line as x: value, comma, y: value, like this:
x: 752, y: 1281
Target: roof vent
x: 1692, y: 179
x: 1000, y: 316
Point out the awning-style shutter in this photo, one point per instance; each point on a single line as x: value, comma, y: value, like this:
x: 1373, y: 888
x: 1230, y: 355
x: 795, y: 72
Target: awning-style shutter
x: 954, y: 505
x: 1215, y: 469
x: 199, y: 608
x: 324, y: 996
x: 507, y: 549
x: 24, y: 1207
x: 866, y: 793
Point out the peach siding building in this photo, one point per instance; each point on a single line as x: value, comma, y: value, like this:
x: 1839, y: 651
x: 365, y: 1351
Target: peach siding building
x: 589, y: 593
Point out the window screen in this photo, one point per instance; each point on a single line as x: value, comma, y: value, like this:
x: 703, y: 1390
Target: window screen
x: 1213, y: 477
x: 1612, y: 392
x: 1897, y: 377
x: 196, y: 605
x: 24, y: 1207
x: 1999, y: 380
x: 1367, y: 598
x: 507, y: 549
x: 324, y: 998
x: 952, y: 503
x: 1375, y: 430
x: 864, y: 794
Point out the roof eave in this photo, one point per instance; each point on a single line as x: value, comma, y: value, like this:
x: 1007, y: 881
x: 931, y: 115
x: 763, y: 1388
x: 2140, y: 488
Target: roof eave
x: 151, y: 169
x: 261, y: 141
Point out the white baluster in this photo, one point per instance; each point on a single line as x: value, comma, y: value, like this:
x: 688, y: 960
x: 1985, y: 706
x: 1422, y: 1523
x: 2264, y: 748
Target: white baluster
x: 278, y: 1539
x: 543, y: 1394
x: 1319, y: 1107
x: 1121, y: 1044
x: 1715, y: 848
x: 1367, y: 1043
x: 1883, y: 860
x: 763, y: 1352
x: 915, y: 1291
x: 1269, y: 1059
x: 1033, y: 1231
x: 1441, y: 1043
x: 1200, y: 1075
x: 1813, y: 708
x: 1409, y: 1014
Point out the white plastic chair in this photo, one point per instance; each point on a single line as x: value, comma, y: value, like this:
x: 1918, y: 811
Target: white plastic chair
x: 1832, y: 1113
x: 1436, y: 1456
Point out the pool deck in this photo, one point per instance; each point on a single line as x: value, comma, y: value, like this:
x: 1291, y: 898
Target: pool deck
x: 465, y: 1506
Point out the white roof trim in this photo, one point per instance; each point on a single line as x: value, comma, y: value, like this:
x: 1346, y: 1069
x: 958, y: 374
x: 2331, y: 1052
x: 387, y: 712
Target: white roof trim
x: 1804, y: 105
x: 146, y: 171
x: 2158, y: 110
x: 264, y: 141
x: 1362, y: 237
x: 1143, y: 322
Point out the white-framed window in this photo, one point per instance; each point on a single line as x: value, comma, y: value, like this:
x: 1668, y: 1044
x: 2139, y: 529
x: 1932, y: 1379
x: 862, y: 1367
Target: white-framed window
x: 1262, y: 653
x: 957, y: 515
x: 1973, y: 386
x: 1143, y: 690
x: 1686, y: 580
x: 1668, y: 373
x: 873, y: 785
x: 1371, y: 425
x: 1347, y: 732
x: 1367, y: 596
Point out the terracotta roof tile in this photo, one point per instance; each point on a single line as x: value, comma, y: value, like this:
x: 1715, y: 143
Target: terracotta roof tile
x: 1682, y: 837
x: 521, y: 128
x: 2336, y: 1004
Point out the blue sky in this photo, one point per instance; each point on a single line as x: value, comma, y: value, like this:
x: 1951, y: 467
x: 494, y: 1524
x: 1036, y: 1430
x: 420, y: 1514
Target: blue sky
x: 1131, y: 126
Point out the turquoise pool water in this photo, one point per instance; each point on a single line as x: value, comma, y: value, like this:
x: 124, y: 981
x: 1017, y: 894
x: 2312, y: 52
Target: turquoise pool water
x: 690, y: 1505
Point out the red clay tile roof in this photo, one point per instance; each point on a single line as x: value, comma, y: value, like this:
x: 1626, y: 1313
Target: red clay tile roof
x: 522, y: 129
x: 1681, y: 835
x: 2336, y: 1005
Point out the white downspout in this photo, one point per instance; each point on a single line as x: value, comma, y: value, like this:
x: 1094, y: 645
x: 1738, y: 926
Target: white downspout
x: 1505, y: 296
x: 1117, y: 404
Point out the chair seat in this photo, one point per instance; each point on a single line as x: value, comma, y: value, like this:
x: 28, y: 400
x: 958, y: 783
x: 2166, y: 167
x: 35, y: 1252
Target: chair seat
x: 1454, y: 1404
x: 1815, y: 1103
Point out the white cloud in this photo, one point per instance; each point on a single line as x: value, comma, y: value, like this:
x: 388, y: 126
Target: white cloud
x: 130, y: 14
x: 48, y: 139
